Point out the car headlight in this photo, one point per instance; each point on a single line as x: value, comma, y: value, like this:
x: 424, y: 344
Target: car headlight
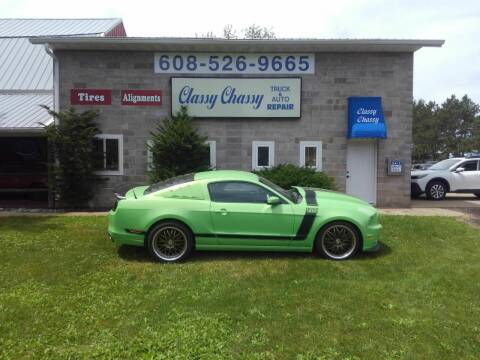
x: 416, y: 177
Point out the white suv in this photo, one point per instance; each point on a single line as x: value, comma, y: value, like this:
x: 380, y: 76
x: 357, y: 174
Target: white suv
x: 460, y: 175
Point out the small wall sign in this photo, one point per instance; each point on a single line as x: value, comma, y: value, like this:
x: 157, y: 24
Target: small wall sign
x: 90, y: 96
x: 395, y: 167
x: 141, y: 97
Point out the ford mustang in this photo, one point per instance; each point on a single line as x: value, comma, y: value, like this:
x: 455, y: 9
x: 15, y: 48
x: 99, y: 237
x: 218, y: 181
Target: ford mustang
x: 235, y: 210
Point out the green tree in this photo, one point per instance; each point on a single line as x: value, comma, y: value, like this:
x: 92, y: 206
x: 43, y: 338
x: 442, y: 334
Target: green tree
x: 452, y: 128
x: 425, y: 131
x: 476, y: 137
x: 229, y: 32
x: 177, y: 148
x: 73, y: 157
x: 258, y: 32
x: 458, y: 125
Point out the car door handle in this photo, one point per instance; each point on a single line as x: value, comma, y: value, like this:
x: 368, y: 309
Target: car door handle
x: 223, y: 211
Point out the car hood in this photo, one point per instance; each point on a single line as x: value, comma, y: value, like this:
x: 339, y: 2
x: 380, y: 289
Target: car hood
x: 136, y: 192
x: 421, y: 172
x: 328, y: 195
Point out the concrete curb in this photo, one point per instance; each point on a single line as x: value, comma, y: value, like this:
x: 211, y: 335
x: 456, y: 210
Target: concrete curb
x: 423, y: 212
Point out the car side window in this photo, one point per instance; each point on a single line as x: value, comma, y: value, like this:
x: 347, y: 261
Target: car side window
x: 470, y: 166
x: 238, y: 192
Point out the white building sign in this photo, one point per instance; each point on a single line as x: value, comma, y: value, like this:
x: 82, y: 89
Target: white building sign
x: 233, y: 63
x: 238, y: 97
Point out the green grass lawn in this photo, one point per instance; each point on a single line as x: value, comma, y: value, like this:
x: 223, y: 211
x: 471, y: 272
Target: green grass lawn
x: 68, y: 292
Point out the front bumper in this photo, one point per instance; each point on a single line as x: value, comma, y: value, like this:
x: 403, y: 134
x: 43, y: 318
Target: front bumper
x: 371, y: 237
x: 415, y: 189
x: 373, y: 249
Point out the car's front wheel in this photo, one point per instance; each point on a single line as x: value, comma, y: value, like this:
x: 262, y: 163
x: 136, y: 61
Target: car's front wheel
x: 436, y: 190
x: 477, y: 195
x: 170, y: 241
x: 338, y: 240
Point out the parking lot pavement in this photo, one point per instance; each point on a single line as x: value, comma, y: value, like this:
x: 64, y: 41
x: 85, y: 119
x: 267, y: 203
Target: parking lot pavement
x: 451, y: 201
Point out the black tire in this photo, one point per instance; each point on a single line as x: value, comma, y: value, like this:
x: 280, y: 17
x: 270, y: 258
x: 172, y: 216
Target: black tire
x: 327, y: 243
x: 170, y: 241
x: 415, y: 195
x: 436, y: 190
x: 477, y: 195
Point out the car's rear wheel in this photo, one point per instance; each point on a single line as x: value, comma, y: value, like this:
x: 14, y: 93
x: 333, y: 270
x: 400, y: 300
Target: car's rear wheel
x: 338, y: 240
x: 170, y: 241
x: 436, y: 190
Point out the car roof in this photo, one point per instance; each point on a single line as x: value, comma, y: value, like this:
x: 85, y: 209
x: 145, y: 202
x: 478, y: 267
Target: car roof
x: 226, y: 175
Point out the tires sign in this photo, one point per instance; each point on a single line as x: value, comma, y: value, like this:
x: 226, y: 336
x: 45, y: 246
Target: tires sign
x: 90, y: 96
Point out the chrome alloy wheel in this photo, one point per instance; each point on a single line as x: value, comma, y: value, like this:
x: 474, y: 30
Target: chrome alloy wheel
x: 169, y: 243
x: 339, y: 241
x: 437, y: 191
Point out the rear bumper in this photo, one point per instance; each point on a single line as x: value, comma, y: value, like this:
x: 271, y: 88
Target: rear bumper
x: 120, y: 236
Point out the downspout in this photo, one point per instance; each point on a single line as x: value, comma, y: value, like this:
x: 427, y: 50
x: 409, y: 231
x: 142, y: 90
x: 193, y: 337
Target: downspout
x: 56, y: 81
x: 56, y: 107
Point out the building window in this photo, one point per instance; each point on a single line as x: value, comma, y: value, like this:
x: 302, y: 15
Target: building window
x: 311, y: 154
x: 110, y: 154
x: 213, y: 153
x: 262, y: 154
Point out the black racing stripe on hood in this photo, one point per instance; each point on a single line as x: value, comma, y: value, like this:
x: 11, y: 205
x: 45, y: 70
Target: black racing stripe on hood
x: 310, y: 197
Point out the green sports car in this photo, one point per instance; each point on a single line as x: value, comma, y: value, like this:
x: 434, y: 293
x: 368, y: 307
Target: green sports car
x: 236, y: 210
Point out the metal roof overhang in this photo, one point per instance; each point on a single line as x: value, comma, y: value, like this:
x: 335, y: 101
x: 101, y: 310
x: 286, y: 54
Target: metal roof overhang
x: 210, y: 45
x: 21, y: 112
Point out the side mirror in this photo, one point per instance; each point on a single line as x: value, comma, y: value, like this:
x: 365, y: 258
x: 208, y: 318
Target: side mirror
x: 273, y: 200
x: 459, y: 169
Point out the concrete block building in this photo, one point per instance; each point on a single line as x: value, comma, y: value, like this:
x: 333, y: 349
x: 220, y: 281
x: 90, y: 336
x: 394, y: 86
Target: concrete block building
x: 26, y: 82
x: 341, y: 106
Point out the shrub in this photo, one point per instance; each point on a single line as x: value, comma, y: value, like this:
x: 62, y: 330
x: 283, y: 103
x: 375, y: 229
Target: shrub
x: 73, y: 157
x: 288, y: 175
x: 177, y: 148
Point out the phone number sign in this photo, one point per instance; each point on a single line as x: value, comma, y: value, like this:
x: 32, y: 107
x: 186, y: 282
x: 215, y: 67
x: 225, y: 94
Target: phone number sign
x: 233, y: 63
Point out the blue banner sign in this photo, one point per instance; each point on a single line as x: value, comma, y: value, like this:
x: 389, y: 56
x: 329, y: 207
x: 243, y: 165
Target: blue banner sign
x: 365, y: 118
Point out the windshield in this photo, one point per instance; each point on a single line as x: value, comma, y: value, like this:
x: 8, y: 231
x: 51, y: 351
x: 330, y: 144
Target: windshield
x: 292, y: 194
x: 444, y: 164
x: 169, y: 182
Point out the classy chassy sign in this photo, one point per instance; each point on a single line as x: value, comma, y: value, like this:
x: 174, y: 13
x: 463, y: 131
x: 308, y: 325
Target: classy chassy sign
x: 237, y: 97
x: 234, y: 63
x: 141, y: 97
x: 366, y: 118
x: 91, y: 96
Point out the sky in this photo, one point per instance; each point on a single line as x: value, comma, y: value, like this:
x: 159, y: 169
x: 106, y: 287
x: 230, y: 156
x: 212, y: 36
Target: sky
x: 438, y: 72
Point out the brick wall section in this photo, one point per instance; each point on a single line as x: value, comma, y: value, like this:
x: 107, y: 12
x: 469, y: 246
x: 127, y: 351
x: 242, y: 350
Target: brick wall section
x: 324, y: 115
